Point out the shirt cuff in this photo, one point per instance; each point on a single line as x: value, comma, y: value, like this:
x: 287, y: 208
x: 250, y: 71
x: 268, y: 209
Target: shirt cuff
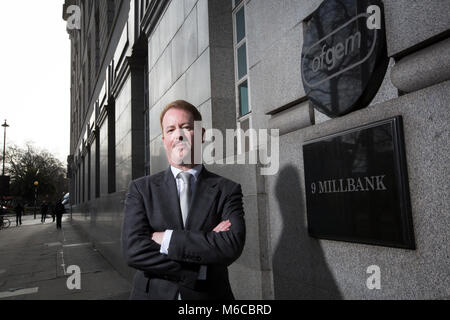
x: 165, y: 242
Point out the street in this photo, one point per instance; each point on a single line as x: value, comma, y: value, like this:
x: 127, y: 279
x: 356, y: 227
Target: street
x: 34, y: 259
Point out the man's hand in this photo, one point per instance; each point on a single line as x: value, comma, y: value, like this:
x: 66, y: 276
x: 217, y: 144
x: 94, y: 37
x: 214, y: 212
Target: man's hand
x: 223, y: 226
x: 158, y: 237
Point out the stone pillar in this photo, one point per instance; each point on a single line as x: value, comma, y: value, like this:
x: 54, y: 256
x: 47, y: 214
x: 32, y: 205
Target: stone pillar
x: 137, y: 67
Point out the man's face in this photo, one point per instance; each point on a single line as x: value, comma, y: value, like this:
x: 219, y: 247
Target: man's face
x: 178, y: 137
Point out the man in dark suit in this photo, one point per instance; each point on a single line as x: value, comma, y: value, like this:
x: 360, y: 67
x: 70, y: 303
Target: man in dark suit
x: 183, y: 226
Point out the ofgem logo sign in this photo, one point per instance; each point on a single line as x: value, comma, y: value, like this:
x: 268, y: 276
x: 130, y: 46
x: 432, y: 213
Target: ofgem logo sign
x: 344, y: 56
x: 328, y: 58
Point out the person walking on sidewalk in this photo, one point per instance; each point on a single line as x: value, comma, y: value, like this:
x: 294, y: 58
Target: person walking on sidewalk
x: 18, y: 209
x: 59, y: 211
x: 44, y: 210
x: 52, y: 208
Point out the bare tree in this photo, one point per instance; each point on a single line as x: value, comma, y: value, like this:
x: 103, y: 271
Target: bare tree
x: 30, y: 164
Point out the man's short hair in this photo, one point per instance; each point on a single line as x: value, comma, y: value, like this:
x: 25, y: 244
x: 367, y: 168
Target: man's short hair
x: 183, y: 105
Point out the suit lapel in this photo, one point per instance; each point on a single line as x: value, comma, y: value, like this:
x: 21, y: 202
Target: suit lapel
x: 202, y: 199
x: 169, y: 201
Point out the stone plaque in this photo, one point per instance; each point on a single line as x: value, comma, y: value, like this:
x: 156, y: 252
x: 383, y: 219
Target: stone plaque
x: 357, y: 186
x: 344, y: 57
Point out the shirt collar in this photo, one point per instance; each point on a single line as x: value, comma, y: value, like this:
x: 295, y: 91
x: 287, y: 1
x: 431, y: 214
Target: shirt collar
x: 195, y: 171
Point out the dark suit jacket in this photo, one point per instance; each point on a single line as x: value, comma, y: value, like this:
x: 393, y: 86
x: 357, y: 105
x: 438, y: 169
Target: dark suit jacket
x: 152, y: 205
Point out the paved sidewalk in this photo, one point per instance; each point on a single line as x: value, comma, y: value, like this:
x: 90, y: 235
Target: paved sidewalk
x: 34, y: 259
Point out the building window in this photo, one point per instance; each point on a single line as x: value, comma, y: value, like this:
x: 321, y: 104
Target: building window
x: 240, y: 58
x: 243, y: 98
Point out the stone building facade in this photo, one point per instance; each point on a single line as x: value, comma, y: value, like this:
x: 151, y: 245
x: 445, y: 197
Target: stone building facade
x: 238, y: 61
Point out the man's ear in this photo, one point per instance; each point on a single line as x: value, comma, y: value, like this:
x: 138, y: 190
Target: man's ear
x: 162, y: 138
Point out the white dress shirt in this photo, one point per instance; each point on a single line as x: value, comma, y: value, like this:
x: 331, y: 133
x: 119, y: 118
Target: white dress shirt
x: 180, y: 186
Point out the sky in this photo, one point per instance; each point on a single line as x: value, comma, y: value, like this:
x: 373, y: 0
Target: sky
x: 35, y: 75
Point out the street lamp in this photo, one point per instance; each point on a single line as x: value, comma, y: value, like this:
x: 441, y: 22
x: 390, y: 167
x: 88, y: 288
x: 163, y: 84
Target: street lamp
x: 36, y: 184
x: 5, y: 125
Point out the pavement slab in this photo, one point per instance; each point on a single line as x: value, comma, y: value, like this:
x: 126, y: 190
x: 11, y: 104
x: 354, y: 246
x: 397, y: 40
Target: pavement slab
x: 34, y: 259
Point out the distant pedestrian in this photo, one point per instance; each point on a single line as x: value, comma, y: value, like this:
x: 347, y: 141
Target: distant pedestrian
x: 52, y: 208
x: 19, y: 210
x: 59, y: 211
x: 44, y: 211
